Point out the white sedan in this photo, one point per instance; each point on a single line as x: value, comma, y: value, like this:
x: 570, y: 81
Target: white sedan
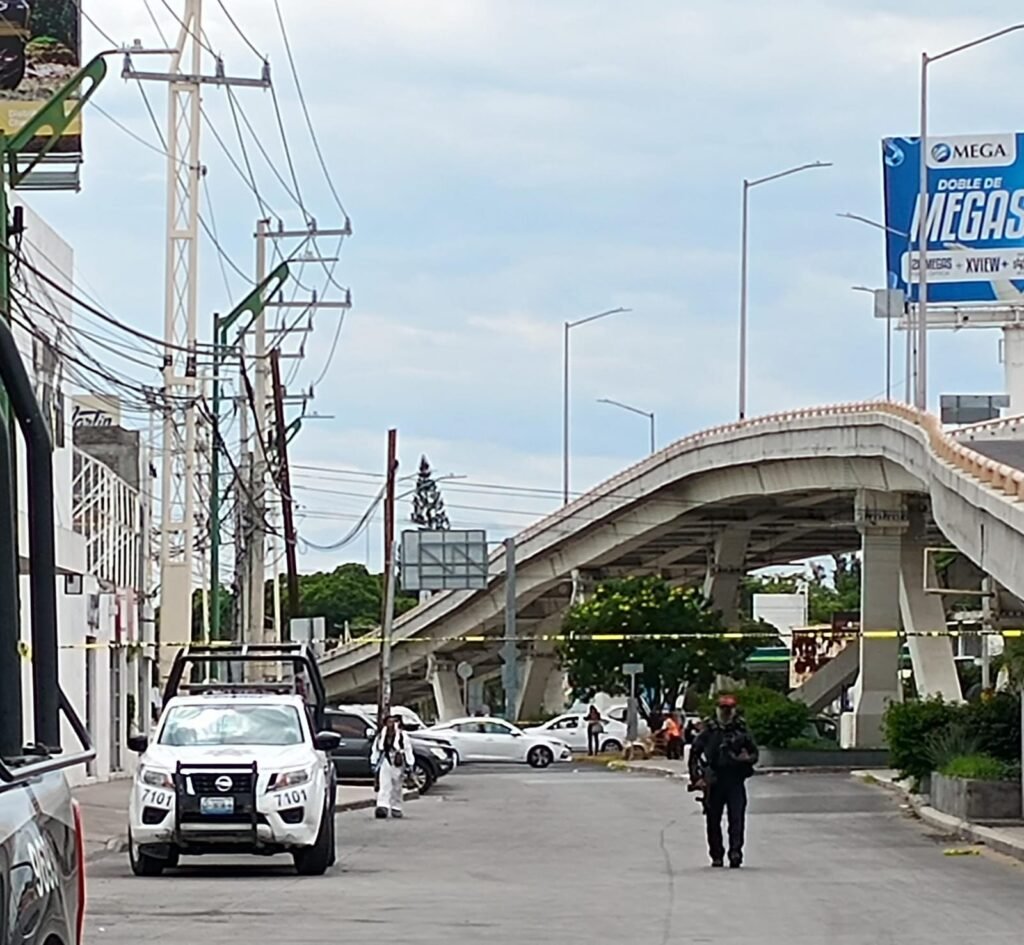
x: 572, y: 729
x: 492, y: 739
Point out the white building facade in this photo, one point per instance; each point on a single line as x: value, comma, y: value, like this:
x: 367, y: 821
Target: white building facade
x: 101, y: 538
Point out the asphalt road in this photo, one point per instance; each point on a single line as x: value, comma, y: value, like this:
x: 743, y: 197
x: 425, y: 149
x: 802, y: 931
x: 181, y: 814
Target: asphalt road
x: 585, y: 856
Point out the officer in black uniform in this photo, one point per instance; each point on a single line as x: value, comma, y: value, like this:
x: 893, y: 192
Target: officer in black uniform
x: 721, y: 759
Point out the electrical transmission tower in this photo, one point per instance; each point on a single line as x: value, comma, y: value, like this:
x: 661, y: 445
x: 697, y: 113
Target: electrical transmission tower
x: 185, y: 80
x: 253, y: 558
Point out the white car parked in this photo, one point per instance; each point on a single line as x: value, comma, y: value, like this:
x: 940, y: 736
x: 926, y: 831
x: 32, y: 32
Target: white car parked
x: 493, y: 739
x: 572, y: 729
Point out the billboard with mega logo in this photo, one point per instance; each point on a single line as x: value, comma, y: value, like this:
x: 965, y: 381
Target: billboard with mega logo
x: 975, y: 225
x: 40, y: 50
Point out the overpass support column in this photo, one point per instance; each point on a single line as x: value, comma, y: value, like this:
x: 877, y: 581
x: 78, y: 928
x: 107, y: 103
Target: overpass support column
x: 934, y: 668
x: 722, y: 582
x: 447, y: 689
x: 543, y: 684
x: 881, y: 520
x: 725, y: 571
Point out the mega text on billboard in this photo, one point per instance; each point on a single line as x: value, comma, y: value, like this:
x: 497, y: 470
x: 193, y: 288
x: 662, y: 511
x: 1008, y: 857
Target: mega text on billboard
x: 975, y: 220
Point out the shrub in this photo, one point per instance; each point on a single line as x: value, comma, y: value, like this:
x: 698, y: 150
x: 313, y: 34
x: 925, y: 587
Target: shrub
x: 775, y: 720
x: 978, y: 767
x: 996, y: 723
x: 908, y: 726
x: 953, y: 741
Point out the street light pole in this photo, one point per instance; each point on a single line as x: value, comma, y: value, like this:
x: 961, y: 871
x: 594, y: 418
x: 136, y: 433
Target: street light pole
x: 565, y: 391
x: 888, y: 315
x: 649, y: 414
x: 921, y: 387
x: 747, y: 185
x: 888, y: 339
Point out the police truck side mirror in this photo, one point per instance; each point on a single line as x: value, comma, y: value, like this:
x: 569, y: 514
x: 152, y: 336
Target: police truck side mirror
x: 138, y: 743
x: 327, y: 741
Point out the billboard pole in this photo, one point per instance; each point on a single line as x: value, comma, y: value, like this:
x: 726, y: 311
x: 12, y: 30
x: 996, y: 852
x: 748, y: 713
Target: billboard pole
x: 921, y: 387
x: 921, y: 380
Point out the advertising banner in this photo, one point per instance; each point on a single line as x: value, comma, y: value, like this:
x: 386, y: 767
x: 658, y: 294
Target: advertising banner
x: 40, y: 50
x: 975, y: 225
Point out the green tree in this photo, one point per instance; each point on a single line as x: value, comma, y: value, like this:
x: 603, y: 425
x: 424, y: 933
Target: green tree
x: 827, y: 593
x: 57, y: 19
x: 348, y: 593
x: 639, y: 608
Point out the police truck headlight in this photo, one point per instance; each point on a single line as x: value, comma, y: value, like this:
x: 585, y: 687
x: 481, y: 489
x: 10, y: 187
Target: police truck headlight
x: 156, y: 777
x: 288, y: 779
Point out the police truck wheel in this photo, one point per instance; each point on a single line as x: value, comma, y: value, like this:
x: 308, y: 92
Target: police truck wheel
x: 314, y: 860
x: 141, y: 864
x: 540, y: 757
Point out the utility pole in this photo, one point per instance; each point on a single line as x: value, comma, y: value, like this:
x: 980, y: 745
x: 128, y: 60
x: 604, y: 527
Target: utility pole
x: 384, y: 686
x: 285, y: 485
x: 185, y: 80
x: 258, y: 538
x: 253, y: 304
x: 510, y: 648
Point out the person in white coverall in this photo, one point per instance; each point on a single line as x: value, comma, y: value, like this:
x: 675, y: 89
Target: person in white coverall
x: 391, y: 756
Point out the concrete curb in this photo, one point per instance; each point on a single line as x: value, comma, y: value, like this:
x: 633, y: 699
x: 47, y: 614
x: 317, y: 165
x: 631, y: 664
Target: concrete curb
x: 990, y: 837
x: 651, y: 770
x: 119, y: 844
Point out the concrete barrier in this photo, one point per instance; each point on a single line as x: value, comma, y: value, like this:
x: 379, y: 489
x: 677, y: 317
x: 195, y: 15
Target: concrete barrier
x: 824, y: 758
x: 977, y: 801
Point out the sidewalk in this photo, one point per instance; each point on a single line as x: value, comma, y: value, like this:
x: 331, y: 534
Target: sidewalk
x: 1008, y: 840
x: 105, y: 812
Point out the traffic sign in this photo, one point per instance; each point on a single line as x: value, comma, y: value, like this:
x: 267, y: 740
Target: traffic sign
x: 632, y: 669
x: 464, y: 670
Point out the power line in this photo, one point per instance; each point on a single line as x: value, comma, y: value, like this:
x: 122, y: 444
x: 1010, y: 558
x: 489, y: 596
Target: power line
x: 188, y: 29
x: 239, y: 30
x: 95, y: 311
x: 305, y: 109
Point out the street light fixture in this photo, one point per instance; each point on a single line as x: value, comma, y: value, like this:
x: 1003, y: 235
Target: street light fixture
x: 921, y: 387
x: 888, y: 339
x: 565, y: 392
x: 888, y: 315
x: 643, y: 413
x: 747, y: 185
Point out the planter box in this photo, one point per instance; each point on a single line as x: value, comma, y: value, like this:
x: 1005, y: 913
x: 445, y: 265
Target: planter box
x: 824, y: 758
x: 977, y: 801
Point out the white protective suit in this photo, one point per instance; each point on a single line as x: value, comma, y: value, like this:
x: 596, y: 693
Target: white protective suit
x: 391, y: 768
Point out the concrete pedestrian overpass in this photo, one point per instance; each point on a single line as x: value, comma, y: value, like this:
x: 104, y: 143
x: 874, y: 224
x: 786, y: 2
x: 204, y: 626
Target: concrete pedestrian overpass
x: 876, y: 476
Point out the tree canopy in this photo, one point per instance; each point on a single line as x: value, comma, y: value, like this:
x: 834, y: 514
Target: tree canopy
x: 826, y: 594
x: 427, y: 505
x: 640, y: 608
x: 348, y: 593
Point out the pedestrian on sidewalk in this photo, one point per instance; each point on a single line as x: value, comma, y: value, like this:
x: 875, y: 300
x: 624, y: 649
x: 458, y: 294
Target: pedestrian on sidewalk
x: 595, y: 729
x: 391, y: 754
x: 721, y: 759
x: 673, y: 732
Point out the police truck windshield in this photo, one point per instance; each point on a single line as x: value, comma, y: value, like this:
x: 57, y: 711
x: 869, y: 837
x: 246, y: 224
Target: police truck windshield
x: 226, y: 724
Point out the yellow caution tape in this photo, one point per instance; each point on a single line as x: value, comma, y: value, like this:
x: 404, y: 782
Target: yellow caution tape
x: 592, y: 638
x: 961, y: 852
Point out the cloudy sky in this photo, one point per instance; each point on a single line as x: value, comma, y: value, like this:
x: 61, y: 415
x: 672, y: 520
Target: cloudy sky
x: 510, y: 164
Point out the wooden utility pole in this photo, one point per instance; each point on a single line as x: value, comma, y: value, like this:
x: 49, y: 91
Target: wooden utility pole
x: 285, y: 483
x: 388, y: 610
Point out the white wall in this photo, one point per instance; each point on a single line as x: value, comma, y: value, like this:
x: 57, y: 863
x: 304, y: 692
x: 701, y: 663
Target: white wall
x: 785, y: 612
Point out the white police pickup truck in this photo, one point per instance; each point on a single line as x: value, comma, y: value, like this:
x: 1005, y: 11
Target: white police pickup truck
x: 235, y: 768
